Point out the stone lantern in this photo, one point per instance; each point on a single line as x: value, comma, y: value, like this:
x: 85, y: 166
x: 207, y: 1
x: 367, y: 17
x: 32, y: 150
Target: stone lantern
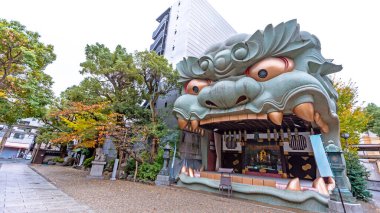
x: 165, y: 170
x: 341, y: 193
x: 163, y: 175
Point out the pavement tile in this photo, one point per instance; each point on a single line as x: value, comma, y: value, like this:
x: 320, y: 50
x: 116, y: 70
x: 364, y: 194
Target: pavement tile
x: 26, y: 191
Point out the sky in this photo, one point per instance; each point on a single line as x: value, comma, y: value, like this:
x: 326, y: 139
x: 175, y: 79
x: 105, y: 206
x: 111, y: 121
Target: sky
x: 346, y: 29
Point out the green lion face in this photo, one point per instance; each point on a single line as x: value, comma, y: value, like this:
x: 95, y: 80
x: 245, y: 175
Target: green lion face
x: 270, y: 75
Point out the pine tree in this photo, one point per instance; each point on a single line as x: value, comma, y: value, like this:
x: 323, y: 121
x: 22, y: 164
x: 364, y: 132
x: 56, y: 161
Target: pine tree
x: 358, y: 175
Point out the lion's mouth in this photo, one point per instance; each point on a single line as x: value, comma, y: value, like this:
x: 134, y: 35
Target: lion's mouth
x: 301, y: 117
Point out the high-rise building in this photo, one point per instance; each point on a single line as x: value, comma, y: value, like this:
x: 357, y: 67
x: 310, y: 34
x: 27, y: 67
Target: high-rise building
x: 187, y: 28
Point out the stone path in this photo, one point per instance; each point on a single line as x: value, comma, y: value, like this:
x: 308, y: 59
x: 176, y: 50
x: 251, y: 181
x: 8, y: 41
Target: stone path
x: 23, y: 190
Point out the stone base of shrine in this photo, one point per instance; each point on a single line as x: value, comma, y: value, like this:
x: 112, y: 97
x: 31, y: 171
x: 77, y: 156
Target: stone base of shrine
x: 337, y: 207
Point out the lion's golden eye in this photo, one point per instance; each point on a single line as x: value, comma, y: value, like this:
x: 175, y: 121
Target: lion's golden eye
x: 194, y: 86
x: 269, y: 68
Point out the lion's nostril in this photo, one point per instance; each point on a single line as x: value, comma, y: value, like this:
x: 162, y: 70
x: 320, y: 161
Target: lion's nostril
x: 210, y: 103
x: 241, y: 99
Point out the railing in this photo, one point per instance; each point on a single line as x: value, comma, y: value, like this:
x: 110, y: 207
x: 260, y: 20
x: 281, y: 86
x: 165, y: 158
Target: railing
x: 159, y: 28
x: 157, y: 41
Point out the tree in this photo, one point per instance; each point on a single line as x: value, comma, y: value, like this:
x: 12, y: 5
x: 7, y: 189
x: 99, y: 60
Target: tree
x: 113, y: 76
x: 357, y: 174
x: 25, y: 89
x: 353, y: 120
x: 85, y: 124
x: 374, y: 123
x: 352, y: 117
x: 159, y: 78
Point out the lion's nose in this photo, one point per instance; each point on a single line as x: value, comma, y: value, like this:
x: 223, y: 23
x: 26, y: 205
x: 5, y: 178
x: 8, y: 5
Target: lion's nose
x: 227, y: 94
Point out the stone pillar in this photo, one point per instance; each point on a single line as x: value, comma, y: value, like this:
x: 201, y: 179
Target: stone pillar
x: 114, y: 170
x: 81, y: 159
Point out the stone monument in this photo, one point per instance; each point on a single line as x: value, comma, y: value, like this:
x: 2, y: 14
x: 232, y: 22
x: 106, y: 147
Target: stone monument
x: 98, y: 165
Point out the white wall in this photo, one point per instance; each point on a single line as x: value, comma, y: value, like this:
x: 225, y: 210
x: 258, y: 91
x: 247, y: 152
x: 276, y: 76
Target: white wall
x: 198, y: 26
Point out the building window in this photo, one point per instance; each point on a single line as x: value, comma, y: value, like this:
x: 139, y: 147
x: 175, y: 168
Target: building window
x: 175, y: 32
x: 177, y: 17
x: 166, y: 104
x: 179, y: 3
x: 24, y: 122
x: 18, y: 136
x: 173, y: 47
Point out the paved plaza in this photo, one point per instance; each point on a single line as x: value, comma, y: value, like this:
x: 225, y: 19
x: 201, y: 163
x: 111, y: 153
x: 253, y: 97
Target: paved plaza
x: 23, y: 190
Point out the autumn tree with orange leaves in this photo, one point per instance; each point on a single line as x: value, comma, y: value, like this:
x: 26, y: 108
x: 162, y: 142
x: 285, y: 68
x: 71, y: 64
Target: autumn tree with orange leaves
x: 85, y: 124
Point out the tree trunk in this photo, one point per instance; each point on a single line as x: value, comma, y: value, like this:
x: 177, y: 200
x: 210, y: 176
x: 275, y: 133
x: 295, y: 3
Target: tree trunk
x: 63, y: 150
x: 5, y: 138
x: 35, y: 152
x: 155, y: 140
x: 153, y: 110
x: 137, y: 166
x: 121, y: 158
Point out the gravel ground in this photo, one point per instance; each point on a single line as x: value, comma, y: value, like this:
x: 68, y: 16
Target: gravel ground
x: 125, y: 196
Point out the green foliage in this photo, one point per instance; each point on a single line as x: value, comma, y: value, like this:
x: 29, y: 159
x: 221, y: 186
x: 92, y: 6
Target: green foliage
x: 85, y: 152
x: 373, y: 112
x: 113, y: 77
x: 357, y: 175
x: 87, y: 162
x: 158, y: 77
x: 130, y: 167
x: 352, y: 118
x: 58, y: 160
x: 25, y: 90
x: 109, y: 166
x: 149, y: 171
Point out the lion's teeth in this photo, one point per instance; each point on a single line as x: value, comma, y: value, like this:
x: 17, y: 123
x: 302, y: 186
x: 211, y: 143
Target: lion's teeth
x: 182, y: 123
x: 319, y: 121
x: 294, y: 185
x: 320, y: 185
x: 276, y: 117
x: 305, y: 111
x: 194, y: 124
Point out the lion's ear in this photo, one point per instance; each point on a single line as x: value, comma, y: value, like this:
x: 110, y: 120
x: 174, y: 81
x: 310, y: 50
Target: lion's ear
x: 325, y: 68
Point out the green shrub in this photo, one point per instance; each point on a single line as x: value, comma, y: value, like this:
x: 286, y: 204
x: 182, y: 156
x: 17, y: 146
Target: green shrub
x: 87, y: 162
x: 148, y: 171
x: 85, y: 152
x: 130, y: 167
x: 58, y: 160
x: 357, y: 174
x: 110, y: 164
